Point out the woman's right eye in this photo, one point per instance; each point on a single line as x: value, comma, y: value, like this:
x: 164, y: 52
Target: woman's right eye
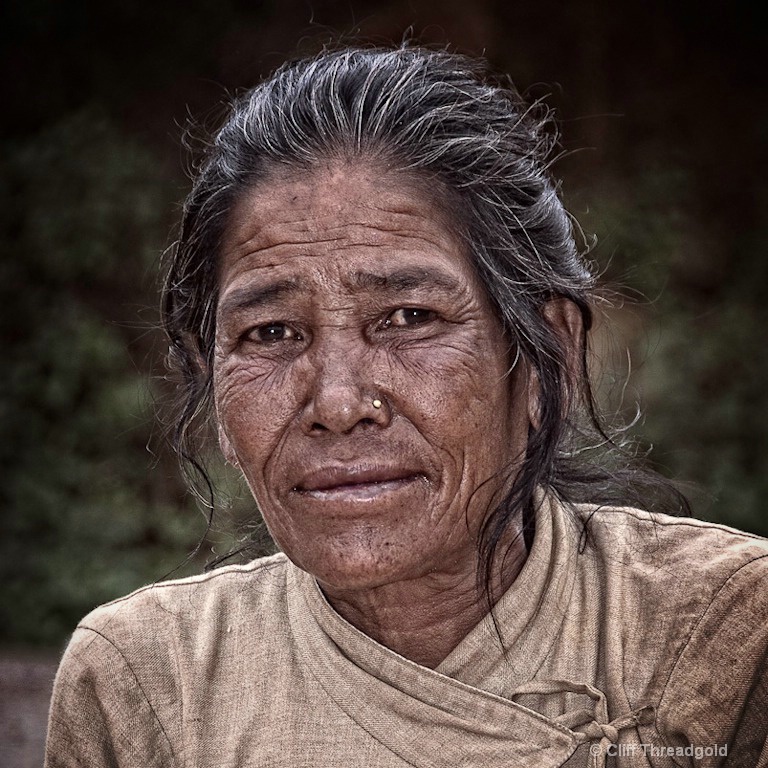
x: 409, y: 316
x: 273, y: 332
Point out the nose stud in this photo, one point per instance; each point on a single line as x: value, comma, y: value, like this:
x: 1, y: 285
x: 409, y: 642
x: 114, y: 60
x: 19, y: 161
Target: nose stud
x: 377, y: 403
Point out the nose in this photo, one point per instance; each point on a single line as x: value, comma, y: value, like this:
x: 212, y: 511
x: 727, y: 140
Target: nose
x: 342, y: 394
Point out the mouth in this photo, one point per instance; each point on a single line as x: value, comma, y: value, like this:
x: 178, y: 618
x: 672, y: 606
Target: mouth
x: 356, y: 483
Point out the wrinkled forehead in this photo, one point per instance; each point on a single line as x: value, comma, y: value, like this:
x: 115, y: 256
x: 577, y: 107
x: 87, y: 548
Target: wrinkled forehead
x: 342, y: 230
x: 336, y: 191
x: 351, y: 211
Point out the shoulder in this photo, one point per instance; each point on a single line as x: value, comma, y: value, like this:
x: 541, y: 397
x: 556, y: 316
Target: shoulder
x: 698, y: 592
x: 135, y: 668
x: 665, y: 547
x: 164, y: 630
x: 134, y: 665
x: 676, y: 572
x: 196, y: 603
x: 673, y: 573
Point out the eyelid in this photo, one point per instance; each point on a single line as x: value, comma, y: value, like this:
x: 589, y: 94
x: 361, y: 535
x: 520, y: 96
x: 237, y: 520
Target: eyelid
x: 431, y: 315
x: 252, y: 333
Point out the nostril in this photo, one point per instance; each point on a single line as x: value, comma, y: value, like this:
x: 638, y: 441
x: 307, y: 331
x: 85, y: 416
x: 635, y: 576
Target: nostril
x: 339, y: 406
x: 319, y: 428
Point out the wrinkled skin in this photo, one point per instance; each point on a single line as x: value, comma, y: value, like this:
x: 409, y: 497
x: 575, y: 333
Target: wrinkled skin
x: 338, y: 288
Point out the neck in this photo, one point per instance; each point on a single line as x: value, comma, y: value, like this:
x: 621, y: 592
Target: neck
x: 424, y: 619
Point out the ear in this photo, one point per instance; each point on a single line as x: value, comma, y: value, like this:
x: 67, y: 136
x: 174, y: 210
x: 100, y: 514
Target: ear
x: 565, y: 319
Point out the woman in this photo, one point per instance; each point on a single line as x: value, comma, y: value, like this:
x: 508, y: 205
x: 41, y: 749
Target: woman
x: 377, y: 298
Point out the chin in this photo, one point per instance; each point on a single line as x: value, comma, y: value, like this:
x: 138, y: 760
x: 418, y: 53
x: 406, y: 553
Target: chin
x: 347, y: 566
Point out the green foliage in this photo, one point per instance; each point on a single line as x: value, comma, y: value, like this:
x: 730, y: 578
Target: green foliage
x: 84, y: 216
x: 698, y: 367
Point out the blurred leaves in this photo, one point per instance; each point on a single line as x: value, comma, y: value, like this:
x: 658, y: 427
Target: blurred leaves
x: 698, y: 369
x: 86, y: 517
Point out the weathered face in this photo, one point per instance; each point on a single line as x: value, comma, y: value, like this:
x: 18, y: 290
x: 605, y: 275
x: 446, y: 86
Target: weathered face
x: 339, y: 290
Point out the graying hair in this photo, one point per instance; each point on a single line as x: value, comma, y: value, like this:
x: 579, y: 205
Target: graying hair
x: 441, y: 118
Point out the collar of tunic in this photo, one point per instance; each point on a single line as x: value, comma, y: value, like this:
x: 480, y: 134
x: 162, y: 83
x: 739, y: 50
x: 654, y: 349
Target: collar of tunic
x: 454, y: 708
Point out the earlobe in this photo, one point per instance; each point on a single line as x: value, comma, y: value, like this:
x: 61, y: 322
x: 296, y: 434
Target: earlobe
x: 534, y: 398
x: 565, y: 319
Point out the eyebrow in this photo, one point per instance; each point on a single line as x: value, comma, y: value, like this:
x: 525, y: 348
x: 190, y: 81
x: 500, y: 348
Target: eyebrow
x: 403, y: 280
x: 253, y: 296
x: 397, y: 281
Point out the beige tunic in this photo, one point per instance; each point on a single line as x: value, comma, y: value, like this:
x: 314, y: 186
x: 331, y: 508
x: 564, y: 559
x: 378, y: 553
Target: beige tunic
x: 644, y: 645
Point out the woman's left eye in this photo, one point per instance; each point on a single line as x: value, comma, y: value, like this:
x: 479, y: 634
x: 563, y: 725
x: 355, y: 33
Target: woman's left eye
x: 272, y: 333
x: 407, y: 316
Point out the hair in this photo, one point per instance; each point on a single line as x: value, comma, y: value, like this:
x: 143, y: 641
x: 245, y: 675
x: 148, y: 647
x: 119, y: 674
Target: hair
x: 445, y: 119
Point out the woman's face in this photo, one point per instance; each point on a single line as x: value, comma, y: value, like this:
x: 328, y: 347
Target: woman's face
x: 361, y: 377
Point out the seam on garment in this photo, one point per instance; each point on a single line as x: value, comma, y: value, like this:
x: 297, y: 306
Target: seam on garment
x: 701, y: 618
x: 138, y: 683
x: 256, y: 569
x: 576, y: 553
x: 655, y: 518
x: 252, y: 568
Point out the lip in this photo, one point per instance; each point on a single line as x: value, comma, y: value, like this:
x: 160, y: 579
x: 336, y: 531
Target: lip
x: 340, y: 479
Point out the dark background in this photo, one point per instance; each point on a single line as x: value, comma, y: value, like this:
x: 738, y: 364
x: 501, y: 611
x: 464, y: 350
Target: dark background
x: 663, y: 113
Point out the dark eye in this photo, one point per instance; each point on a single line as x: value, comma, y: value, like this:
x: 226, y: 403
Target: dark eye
x: 272, y: 332
x: 407, y: 316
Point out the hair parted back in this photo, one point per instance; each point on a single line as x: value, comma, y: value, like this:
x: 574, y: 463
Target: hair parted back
x: 442, y: 118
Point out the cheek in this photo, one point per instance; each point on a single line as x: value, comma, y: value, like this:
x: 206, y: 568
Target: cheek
x: 458, y: 387
x: 254, y: 402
